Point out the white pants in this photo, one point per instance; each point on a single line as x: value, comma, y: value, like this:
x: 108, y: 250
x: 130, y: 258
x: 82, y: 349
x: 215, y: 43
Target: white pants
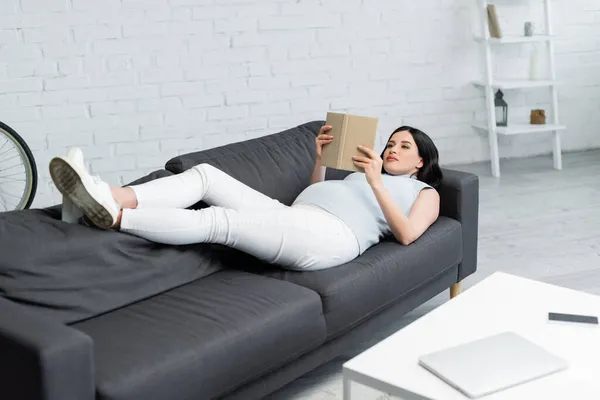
x: 299, y: 237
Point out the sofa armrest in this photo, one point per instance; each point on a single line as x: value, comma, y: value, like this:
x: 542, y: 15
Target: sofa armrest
x: 42, y: 359
x: 459, y: 199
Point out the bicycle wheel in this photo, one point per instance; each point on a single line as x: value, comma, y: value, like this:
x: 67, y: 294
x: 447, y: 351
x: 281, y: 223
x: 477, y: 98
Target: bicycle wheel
x: 18, y: 171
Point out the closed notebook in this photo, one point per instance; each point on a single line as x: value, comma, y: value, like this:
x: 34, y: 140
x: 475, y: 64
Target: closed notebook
x: 348, y: 131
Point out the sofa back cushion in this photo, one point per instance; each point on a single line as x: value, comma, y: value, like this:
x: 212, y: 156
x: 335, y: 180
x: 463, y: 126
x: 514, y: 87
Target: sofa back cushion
x: 279, y: 165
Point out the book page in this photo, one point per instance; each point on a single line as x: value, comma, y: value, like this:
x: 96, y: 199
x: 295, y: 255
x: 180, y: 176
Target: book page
x: 331, y: 151
x: 359, y: 131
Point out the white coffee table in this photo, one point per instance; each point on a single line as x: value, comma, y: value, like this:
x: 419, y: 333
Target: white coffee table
x: 499, y: 303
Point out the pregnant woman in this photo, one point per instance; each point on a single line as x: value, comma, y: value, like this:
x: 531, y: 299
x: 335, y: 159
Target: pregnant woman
x: 329, y: 223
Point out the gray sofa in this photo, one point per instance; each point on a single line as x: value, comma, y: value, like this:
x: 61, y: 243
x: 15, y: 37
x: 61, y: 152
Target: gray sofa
x: 91, y: 314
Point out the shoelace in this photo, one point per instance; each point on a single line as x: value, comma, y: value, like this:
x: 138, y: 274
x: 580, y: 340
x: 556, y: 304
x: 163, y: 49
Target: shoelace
x: 99, y: 182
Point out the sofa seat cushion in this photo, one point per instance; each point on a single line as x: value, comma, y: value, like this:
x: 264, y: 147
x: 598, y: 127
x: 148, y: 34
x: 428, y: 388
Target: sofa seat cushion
x: 354, y: 291
x: 204, y: 338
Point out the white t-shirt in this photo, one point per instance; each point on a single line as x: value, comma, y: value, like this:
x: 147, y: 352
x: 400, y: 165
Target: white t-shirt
x: 352, y: 200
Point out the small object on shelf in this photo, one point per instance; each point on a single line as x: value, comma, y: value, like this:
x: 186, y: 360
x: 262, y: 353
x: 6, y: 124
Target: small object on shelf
x: 501, y: 109
x: 533, y: 64
x: 538, y: 117
x: 493, y: 23
x: 529, y: 28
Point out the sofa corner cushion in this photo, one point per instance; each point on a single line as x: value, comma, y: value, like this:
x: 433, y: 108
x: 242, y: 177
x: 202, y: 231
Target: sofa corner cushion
x: 381, y: 275
x: 203, y: 339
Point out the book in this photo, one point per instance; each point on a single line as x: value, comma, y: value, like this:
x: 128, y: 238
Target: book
x: 349, y: 132
x: 493, y: 23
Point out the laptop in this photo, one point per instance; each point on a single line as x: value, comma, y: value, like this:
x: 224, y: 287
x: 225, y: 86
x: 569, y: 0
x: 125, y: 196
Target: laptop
x: 492, y: 364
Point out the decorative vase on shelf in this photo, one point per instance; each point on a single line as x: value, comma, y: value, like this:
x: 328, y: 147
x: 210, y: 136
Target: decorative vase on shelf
x: 529, y: 29
x: 534, y: 64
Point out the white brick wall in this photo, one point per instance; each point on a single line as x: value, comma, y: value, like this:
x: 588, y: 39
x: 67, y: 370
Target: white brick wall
x: 135, y: 82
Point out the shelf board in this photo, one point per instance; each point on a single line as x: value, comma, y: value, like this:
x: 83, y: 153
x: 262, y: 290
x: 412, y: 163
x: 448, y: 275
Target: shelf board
x: 518, y: 83
x: 521, y: 129
x: 515, y: 39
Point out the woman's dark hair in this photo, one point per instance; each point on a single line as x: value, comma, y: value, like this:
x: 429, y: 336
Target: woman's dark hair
x: 430, y: 172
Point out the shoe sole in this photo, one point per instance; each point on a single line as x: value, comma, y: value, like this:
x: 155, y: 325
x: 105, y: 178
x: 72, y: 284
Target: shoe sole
x: 69, y: 183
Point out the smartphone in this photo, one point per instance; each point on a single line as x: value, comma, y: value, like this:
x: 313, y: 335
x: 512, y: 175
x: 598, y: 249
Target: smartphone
x: 580, y: 319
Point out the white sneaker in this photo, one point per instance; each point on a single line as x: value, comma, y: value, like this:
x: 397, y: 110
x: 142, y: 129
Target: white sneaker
x: 89, y: 193
x: 70, y: 212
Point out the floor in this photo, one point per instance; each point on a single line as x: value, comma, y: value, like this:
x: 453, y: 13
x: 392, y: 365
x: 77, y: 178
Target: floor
x: 535, y: 222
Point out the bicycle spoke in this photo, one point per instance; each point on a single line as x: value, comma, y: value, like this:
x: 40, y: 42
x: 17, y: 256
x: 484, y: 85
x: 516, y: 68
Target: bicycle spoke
x: 13, y: 157
x: 13, y: 179
x: 12, y: 190
x: 6, y: 204
x: 12, y: 195
x: 8, y: 151
x: 4, y: 144
x: 12, y: 183
x: 6, y: 169
x: 13, y: 206
x: 9, y: 188
x: 2, y: 176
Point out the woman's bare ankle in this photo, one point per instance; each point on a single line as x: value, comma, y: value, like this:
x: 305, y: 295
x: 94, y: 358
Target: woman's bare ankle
x: 117, y: 225
x: 124, y: 196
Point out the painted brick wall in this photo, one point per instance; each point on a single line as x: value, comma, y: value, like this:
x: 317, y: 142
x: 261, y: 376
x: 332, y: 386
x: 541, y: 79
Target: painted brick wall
x: 135, y: 82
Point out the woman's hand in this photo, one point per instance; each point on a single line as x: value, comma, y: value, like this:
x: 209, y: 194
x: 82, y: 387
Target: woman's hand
x: 323, y: 139
x: 372, y: 165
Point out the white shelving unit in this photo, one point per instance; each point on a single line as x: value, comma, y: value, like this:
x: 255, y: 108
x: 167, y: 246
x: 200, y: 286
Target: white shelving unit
x: 515, y: 39
x: 518, y: 129
x: 490, y: 85
x: 517, y: 84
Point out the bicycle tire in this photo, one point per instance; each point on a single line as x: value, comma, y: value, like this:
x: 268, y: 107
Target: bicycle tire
x: 31, y: 166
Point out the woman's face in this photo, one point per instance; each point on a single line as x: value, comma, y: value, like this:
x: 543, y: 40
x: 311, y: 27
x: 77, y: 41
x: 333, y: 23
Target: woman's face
x: 401, y: 155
